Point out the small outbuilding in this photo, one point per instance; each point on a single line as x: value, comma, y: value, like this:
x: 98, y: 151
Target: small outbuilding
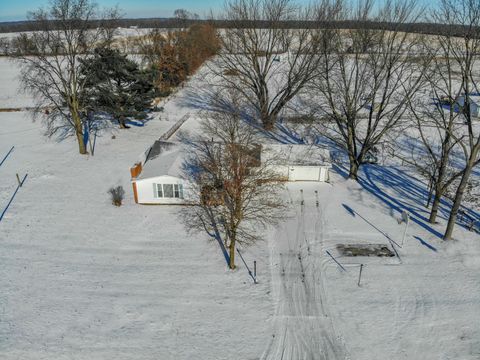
x: 157, y: 177
x: 292, y: 162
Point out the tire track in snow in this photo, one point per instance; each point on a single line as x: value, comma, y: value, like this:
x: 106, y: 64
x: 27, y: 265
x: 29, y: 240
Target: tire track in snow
x: 303, y: 326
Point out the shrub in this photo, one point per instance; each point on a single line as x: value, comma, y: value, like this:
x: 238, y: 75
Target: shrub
x: 117, y: 194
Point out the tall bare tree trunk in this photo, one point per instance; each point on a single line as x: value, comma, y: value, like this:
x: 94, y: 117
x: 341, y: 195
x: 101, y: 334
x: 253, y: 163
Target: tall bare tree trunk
x: 354, y: 166
x: 268, y: 120
x: 439, y: 187
x: 78, y: 129
x: 352, y: 156
x: 435, y: 206
x: 232, y: 253
x: 458, y: 201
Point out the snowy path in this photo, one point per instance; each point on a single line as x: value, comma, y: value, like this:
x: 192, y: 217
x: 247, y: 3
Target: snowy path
x: 303, y: 325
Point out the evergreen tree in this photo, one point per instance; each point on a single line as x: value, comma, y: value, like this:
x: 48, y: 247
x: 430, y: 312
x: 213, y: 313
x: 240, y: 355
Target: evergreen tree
x: 117, y: 86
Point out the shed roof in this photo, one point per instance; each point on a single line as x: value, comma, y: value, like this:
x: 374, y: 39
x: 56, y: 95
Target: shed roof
x: 296, y: 154
x: 163, y: 158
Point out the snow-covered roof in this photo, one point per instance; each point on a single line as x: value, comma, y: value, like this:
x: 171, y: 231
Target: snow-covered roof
x: 166, y: 158
x: 163, y: 158
x: 295, y: 154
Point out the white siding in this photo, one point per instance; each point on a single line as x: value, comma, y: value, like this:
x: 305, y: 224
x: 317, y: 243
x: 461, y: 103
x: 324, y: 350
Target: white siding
x: 146, y: 193
x: 304, y: 173
x: 324, y: 174
x: 301, y: 173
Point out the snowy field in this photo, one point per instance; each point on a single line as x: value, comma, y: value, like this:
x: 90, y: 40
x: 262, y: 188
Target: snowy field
x: 81, y: 279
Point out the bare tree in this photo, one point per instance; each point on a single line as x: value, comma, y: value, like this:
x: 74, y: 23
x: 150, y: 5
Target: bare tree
x: 367, y: 76
x: 263, y: 59
x: 465, y: 55
x: 51, y: 66
x: 435, y: 158
x: 235, y: 191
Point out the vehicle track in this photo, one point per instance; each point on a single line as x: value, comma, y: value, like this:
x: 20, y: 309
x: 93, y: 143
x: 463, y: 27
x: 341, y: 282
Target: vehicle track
x: 303, y: 326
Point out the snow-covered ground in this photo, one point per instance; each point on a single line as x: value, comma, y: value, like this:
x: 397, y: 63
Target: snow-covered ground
x: 423, y: 305
x: 81, y: 279
x: 10, y: 96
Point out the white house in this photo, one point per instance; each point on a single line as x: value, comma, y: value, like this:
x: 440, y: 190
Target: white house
x: 298, y: 162
x: 157, y: 177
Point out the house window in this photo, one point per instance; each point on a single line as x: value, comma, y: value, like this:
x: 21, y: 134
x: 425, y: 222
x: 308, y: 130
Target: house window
x: 178, y: 191
x: 158, y: 191
x: 168, y: 191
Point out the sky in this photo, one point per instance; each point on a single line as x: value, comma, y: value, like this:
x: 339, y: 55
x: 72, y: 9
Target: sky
x: 12, y: 10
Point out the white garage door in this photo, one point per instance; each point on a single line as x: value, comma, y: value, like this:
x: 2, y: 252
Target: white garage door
x: 304, y: 173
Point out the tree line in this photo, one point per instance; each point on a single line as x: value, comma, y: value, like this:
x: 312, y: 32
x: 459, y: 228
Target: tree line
x: 421, y: 27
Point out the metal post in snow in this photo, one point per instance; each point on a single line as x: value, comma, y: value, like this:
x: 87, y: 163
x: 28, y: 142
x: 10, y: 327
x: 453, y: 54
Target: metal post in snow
x: 302, y: 200
x: 360, y: 274
x: 255, y: 268
x: 94, y: 142
x: 18, y: 180
x: 406, y: 218
x: 316, y: 198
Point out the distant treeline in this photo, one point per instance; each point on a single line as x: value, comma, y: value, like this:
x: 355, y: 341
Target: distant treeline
x: 173, y: 23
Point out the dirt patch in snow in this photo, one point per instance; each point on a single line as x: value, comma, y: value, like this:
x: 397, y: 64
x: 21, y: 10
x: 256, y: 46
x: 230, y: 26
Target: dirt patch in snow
x: 378, y: 250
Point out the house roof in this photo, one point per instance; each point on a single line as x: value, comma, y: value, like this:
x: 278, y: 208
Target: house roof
x: 162, y: 158
x: 166, y: 158
x: 295, y: 154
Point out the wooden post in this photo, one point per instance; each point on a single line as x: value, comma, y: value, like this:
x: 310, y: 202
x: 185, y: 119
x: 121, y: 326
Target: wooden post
x: 360, y: 274
x: 19, y: 181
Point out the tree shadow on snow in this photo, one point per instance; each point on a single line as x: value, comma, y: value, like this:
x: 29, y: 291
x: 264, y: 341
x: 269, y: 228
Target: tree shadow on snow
x: 401, y: 192
x: 211, y: 100
x: 424, y: 243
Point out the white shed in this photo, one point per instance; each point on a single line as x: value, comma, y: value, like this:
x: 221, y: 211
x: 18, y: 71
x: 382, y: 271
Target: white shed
x: 298, y: 162
x: 157, y: 177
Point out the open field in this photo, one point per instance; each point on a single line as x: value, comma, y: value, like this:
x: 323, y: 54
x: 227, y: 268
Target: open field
x: 81, y: 279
